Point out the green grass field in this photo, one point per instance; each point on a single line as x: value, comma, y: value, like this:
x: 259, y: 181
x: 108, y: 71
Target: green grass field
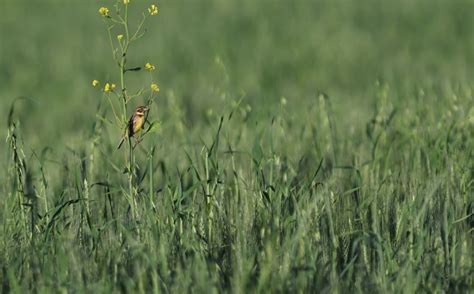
x: 302, y: 146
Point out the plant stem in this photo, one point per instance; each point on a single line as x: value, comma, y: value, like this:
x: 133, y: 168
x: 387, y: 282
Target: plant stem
x: 131, y: 158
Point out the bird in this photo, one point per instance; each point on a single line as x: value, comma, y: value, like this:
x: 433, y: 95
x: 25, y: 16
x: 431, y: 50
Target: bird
x: 135, y: 123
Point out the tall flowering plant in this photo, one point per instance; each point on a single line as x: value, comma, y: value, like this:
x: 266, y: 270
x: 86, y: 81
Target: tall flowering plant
x: 120, y: 99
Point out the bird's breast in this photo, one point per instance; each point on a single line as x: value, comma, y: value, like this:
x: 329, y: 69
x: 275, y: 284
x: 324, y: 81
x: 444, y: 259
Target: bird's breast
x: 138, y: 123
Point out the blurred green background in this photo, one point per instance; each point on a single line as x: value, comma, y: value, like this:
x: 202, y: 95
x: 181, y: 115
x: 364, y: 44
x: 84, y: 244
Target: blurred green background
x: 366, y: 187
x: 256, y: 50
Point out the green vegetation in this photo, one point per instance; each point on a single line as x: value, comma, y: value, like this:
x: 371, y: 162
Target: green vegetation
x: 309, y: 146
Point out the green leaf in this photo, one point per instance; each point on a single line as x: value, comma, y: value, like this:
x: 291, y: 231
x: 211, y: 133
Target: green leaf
x: 154, y: 127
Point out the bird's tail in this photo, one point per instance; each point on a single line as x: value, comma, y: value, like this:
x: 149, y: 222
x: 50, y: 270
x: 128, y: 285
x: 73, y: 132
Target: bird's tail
x: 120, y: 143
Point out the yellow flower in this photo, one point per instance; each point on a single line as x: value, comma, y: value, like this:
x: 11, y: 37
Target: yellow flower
x: 154, y: 87
x: 149, y: 66
x: 104, y: 11
x: 120, y: 37
x: 109, y: 87
x: 153, y: 9
x: 126, y: 2
x: 95, y: 83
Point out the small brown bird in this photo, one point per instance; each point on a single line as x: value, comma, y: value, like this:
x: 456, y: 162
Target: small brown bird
x: 135, y: 123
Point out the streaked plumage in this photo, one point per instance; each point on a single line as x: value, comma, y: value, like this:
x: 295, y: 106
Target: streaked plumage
x: 135, y: 123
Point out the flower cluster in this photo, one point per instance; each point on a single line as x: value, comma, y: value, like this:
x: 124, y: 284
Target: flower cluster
x: 153, y: 9
x: 104, y: 11
x: 109, y: 87
x: 149, y: 66
x: 154, y: 87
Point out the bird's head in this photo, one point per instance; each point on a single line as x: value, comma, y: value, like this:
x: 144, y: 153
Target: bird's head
x: 141, y: 110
